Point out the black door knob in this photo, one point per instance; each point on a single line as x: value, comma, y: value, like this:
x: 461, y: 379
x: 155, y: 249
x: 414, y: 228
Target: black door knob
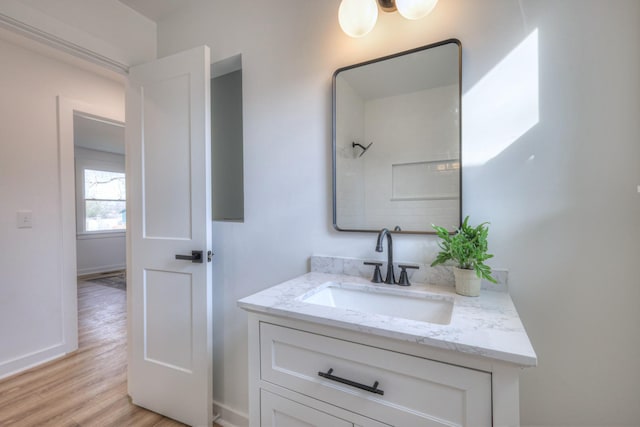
x: 195, y: 257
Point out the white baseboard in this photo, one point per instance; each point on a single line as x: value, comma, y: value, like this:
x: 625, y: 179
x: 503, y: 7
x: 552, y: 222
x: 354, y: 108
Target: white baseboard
x: 100, y: 269
x: 229, y: 417
x: 22, y: 363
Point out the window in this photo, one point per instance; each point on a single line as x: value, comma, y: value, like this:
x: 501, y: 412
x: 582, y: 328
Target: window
x: 104, y: 200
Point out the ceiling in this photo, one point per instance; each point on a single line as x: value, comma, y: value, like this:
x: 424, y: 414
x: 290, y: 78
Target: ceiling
x: 98, y: 134
x: 156, y: 10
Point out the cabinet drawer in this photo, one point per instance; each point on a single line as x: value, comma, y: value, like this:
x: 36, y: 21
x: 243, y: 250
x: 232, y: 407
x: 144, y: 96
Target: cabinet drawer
x: 276, y: 411
x: 411, y: 391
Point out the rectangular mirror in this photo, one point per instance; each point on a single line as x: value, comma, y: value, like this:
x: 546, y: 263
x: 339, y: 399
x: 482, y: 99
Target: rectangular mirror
x: 396, y: 141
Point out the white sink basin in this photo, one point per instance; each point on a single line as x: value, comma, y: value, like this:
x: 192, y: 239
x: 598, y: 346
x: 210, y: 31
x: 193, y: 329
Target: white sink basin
x: 410, y: 305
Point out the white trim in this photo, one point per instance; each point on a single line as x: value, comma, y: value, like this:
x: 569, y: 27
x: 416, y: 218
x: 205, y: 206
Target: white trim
x: 99, y: 120
x: 89, y: 158
x: 81, y: 165
x: 58, y: 43
x: 101, y: 269
x: 90, y: 235
x: 30, y: 360
x: 67, y: 192
x: 425, y: 197
x: 229, y: 417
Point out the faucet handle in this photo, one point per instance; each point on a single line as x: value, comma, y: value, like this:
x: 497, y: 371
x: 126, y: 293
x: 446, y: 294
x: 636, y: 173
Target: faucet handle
x: 404, y: 279
x: 377, y: 276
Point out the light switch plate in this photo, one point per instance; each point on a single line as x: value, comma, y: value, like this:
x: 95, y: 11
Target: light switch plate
x: 24, y: 219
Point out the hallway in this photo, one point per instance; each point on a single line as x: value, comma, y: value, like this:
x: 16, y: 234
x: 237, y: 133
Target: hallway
x: 88, y: 387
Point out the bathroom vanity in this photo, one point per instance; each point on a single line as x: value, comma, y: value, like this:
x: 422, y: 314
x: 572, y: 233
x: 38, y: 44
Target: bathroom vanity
x: 330, y: 348
x: 338, y: 350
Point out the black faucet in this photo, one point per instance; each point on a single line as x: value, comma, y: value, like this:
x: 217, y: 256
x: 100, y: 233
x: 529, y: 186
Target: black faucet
x: 390, y: 280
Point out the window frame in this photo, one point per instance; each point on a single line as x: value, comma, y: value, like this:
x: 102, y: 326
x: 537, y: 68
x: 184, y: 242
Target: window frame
x: 83, y: 164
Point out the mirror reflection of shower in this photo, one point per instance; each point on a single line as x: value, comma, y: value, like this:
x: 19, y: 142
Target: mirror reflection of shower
x: 364, y: 149
x: 408, y: 104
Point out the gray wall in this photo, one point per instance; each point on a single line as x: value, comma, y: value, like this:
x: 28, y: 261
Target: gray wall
x: 226, y: 147
x: 561, y: 194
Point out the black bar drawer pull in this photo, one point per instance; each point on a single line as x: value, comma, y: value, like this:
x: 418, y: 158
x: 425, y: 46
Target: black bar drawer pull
x: 368, y: 388
x: 196, y: 257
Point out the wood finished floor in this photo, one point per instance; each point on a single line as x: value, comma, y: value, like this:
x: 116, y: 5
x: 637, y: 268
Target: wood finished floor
x: 88, y: 387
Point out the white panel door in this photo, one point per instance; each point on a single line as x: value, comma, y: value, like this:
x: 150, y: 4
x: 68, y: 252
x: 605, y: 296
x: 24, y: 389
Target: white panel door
x: 169, y: 214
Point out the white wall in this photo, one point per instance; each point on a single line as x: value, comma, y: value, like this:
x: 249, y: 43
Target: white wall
x: 31, y: 321
x: 104, y: 27
x: 561, y: 197
x: 97, y: 252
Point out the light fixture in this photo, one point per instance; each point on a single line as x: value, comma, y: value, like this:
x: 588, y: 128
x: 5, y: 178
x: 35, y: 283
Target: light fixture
x: 358, y: 17
x: 415, y: 9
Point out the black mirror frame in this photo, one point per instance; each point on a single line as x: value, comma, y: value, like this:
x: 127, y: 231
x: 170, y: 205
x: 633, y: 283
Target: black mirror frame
x: 333, y: 123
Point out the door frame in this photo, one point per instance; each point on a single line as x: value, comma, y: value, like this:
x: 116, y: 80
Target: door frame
x: 67, y: 109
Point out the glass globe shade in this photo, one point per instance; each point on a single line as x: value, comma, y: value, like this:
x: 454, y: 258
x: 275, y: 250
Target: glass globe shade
x: 357, y: 17
x: 415, y: 9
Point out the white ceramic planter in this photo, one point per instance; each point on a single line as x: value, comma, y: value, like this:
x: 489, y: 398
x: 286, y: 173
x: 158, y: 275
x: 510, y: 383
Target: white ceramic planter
x: 467, y: 282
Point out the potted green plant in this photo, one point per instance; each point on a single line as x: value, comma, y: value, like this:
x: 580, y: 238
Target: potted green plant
x: 467, y: 247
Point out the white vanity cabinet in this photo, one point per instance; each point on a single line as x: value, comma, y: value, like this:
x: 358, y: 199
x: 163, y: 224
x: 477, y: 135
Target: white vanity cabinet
x: 367, y: 384
x: 312, y: 365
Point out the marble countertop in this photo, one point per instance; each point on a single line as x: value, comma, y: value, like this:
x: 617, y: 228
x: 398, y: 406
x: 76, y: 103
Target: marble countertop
x: 487, y: 325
